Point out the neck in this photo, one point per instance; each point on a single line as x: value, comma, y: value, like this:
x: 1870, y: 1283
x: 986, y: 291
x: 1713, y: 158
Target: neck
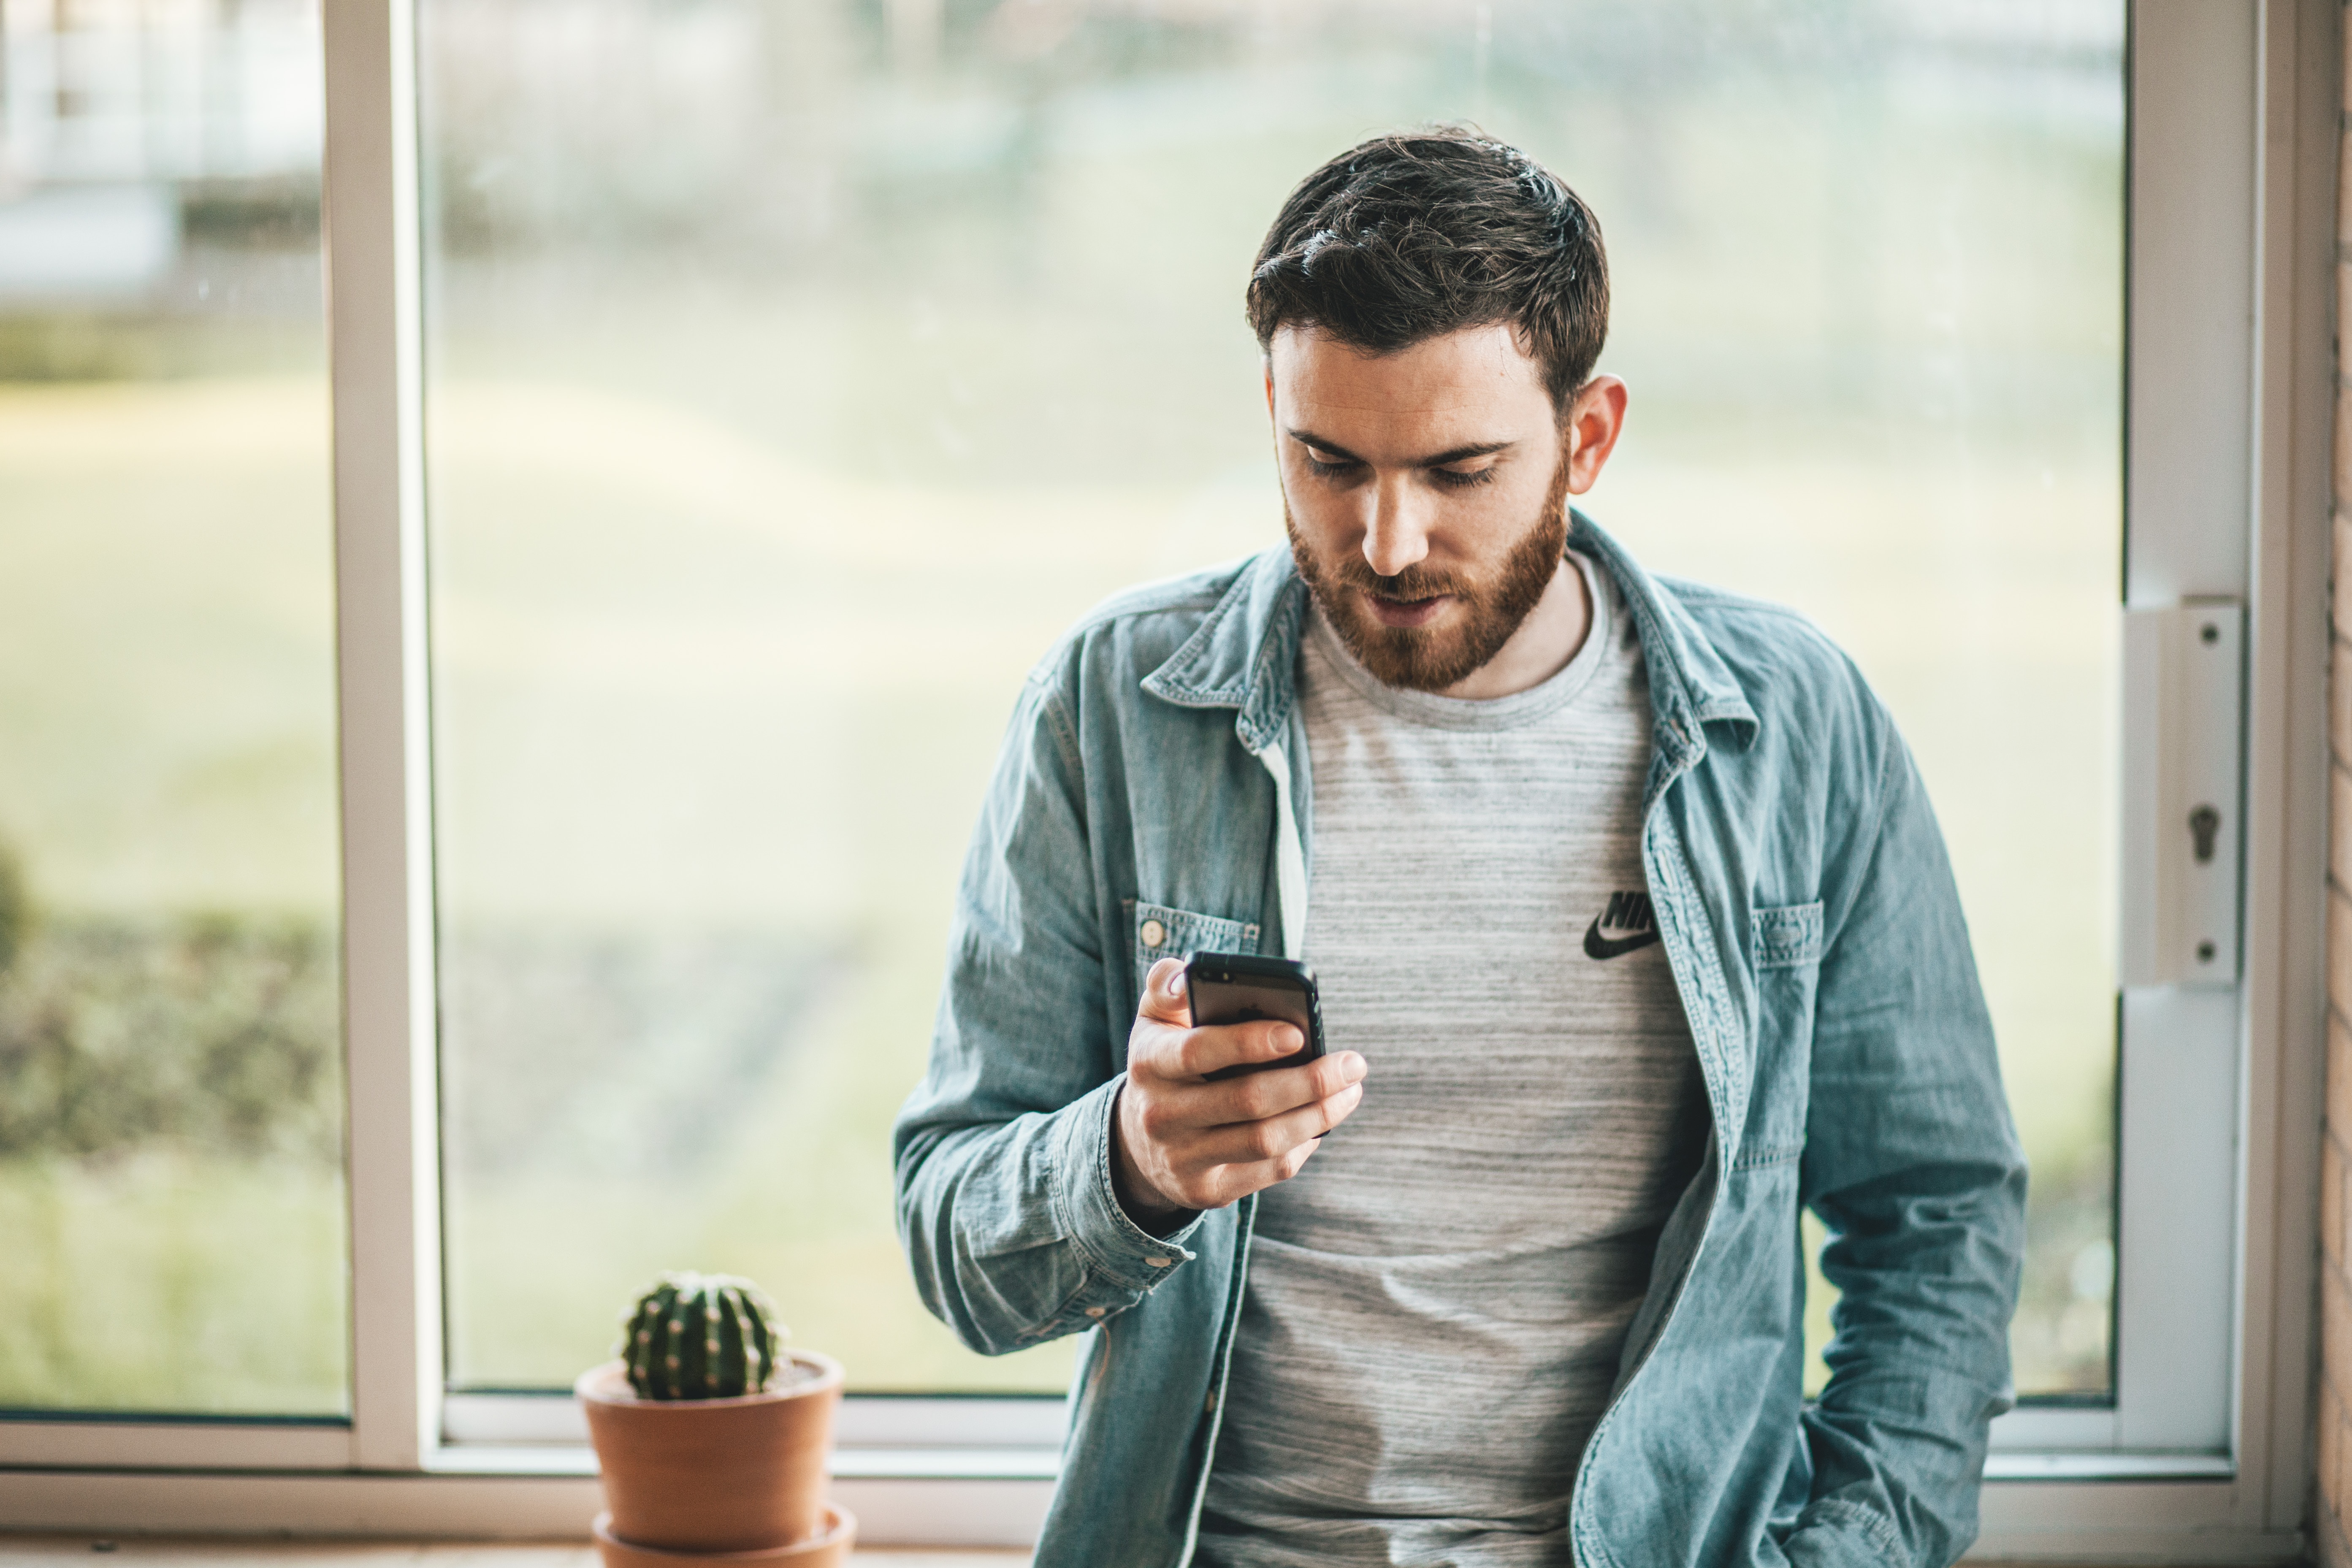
x: 1551, y: 635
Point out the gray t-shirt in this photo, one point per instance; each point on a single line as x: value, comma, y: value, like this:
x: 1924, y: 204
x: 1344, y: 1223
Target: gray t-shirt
x: 1437, y: 1303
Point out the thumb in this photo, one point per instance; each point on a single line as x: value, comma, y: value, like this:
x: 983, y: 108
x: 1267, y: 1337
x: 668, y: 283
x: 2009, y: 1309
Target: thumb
x: 1164, y: 1000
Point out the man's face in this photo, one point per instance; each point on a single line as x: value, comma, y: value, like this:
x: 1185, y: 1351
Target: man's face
x: 1425, y: 493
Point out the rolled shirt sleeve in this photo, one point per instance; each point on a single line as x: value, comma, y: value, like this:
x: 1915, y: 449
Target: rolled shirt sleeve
x: 1006, y: 1209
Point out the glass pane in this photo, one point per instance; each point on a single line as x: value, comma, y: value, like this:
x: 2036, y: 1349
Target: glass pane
x: 799, y: 373
x: 172, y: 1206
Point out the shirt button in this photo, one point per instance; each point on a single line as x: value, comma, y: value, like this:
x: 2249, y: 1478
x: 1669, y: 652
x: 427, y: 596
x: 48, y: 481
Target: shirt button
x: 1096, y: 1311
x: 1154, y: 933
x: 1156, y: 1262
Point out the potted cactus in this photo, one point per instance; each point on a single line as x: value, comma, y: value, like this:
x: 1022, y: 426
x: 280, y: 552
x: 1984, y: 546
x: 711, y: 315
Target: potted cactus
x: 711, y: 1436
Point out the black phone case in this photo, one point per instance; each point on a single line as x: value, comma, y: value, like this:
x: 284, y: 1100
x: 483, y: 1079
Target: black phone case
x: 1234, y: 988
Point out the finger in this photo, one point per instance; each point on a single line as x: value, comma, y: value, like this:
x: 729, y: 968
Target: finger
x: 1185, y: 1055
x: 1342, y: 1105
x: 1207, y: 1181
x: 1282, y: 1167
x: 1206, y: 1049
x: 1162, y: 1019
x: 1278, y: 1090
x: 1255, y: 1142
x: 1163, y: 995
x: 1231, y: 1184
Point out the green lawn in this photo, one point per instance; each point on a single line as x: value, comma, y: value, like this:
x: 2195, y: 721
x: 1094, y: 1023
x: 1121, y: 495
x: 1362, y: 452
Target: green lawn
x: 174, y: 1282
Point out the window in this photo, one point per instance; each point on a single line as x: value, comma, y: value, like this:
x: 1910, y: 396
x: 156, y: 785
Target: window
x: 751, y: 393
x: 788, y: 391
x: 172, y: 1201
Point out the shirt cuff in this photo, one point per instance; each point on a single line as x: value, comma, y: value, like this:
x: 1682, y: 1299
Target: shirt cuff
x: 1836, y: 1534
x: 1113, y: 1243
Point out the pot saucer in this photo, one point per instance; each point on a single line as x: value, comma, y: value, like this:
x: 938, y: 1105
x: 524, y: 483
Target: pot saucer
x: 829, y: 1548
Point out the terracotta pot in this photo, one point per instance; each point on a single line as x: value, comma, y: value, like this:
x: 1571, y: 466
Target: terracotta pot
x: 714, y: 1475
x: 829, y: 1548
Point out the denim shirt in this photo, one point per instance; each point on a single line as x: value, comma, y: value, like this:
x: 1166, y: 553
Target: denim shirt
x: 1155, y: 772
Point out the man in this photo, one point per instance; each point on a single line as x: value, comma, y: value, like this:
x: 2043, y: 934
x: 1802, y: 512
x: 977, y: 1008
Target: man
x: 1635, y: 935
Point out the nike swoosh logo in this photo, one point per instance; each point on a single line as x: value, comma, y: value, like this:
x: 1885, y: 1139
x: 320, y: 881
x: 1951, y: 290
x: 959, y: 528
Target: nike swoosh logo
x: 1599, y: 946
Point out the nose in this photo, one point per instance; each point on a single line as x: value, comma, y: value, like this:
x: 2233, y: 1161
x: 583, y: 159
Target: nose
x: 1398, y: 535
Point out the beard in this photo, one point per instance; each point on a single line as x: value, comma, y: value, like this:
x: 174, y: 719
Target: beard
x: 1491, y: 605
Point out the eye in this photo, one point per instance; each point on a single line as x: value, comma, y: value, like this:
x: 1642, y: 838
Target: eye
x: 1328, y: 465
x: 1464, y: 478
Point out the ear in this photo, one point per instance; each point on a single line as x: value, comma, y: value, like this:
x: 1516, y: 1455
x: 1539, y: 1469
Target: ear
x: 1266, y: 362
x: 1594, y: 421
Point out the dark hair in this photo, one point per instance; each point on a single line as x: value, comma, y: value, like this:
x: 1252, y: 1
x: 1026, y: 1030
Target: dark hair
x: 1410, y: 235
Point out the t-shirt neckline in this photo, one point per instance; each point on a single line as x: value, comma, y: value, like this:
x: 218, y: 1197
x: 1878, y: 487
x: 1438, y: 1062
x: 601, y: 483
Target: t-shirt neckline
x: 1540, y: 700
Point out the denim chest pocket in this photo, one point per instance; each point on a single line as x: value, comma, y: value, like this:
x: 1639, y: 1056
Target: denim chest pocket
x: 1788, y: 937
x: 1162, y: 930
x: 1786, y: 946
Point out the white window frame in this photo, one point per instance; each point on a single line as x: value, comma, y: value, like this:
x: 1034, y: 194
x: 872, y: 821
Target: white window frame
x: 2204, y: 1456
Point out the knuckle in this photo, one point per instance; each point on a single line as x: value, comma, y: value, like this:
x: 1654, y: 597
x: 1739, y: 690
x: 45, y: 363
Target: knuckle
x: 1267, y: 1140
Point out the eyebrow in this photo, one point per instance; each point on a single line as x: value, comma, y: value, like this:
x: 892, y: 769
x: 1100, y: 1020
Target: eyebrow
x: 1461, y: 454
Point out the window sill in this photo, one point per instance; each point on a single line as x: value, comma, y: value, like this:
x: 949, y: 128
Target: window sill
x: 955, y: 1463
x: 2057, y: 1508
x: 2096, y: 1466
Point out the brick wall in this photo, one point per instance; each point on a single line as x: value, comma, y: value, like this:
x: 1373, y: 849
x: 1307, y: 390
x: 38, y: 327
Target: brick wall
x: 2335, y: 1446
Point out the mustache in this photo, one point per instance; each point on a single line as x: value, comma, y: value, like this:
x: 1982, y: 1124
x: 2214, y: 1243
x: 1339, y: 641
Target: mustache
x: 1406, y: 586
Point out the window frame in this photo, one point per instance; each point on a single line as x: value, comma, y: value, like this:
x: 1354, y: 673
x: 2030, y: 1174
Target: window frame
x: 2204, y: 1453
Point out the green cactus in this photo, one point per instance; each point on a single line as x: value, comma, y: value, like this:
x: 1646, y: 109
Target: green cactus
x: 701, y: 1336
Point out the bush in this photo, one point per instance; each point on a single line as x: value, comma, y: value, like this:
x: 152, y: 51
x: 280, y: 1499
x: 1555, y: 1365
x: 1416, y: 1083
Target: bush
x: 12, y: 911
x: 218, y: 1034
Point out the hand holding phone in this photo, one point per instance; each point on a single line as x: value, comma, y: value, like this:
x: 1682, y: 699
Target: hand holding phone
x: 1189, y: 1134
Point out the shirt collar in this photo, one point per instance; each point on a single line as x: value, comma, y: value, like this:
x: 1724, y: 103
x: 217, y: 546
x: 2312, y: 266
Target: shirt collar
x: 1244, y: 654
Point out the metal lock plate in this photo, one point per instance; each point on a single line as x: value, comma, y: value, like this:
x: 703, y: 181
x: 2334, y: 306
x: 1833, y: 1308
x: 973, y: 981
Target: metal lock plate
x: 2183, y: 793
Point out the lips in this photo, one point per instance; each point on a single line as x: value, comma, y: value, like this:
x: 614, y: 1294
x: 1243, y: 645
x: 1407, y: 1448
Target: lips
x: 1403, y: 613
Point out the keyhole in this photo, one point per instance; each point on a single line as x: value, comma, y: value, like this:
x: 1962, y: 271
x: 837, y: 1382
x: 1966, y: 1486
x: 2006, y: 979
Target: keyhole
x: 2203, y: 824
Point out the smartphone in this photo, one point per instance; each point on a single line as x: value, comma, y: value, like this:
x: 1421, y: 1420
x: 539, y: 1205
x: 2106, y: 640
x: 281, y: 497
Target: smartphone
x: 1238, y: 987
